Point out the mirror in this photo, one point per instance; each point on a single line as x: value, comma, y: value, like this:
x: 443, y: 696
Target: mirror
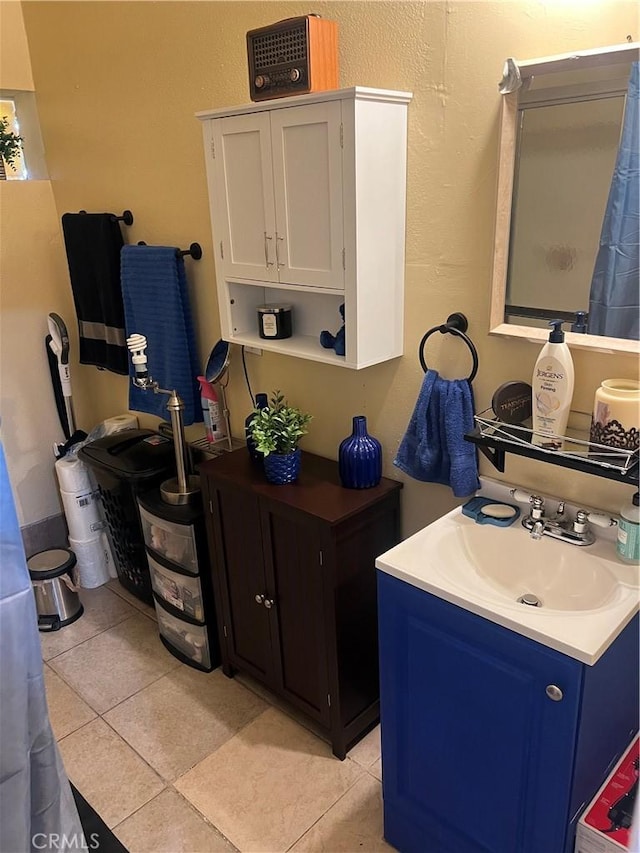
x: 560, y: 132
x: 217, y: 372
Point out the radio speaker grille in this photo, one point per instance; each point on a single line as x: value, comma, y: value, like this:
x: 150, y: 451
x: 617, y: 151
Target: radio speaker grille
x: 277, y: 48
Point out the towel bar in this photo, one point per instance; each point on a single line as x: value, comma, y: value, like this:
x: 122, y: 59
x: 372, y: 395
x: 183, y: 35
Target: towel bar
x: 456, y: 325
x: 127, y: 217
x: 195, y: 250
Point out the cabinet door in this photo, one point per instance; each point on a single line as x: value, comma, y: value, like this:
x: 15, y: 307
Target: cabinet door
x: 240, y: 563
x: 294, y: 579
x: 244, y: 205
x: 476, y: 756
x: 307, y: 171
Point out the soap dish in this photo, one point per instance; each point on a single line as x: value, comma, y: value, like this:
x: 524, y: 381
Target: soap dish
x: 488, y: 511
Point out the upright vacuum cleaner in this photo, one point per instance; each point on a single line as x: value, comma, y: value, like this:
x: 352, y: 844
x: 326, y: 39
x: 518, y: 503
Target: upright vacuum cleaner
x: 53, y: 572
x: 57, y: 346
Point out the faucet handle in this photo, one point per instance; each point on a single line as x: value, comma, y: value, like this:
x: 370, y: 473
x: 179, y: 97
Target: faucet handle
x: 599, y: 519
x: 521, y: 496
x: 536, y: 501
x: 583, y: 518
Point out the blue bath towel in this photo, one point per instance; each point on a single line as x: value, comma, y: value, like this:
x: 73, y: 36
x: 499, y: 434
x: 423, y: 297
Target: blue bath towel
x: 156, y: 305
x: 433, y: 448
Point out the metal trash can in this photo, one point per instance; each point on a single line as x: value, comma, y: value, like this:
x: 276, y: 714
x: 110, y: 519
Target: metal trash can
x: 54, y: 588
x: 125, y: 465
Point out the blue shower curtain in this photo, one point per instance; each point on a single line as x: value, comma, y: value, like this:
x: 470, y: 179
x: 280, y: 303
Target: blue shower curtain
x: 614, y: 303
x: 37, y: 809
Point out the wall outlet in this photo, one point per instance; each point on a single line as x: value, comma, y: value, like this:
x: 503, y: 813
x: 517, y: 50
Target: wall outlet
x: 253, y: 350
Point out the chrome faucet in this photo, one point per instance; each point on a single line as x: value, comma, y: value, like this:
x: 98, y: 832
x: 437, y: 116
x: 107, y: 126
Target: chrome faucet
x: 559, y: 526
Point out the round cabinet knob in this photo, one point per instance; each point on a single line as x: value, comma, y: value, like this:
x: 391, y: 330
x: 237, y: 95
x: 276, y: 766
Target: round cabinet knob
x: 294, y: 74
x: 269, y: 603
x: 260, y: 599
x: 261, y: 81
x: 554, y: 692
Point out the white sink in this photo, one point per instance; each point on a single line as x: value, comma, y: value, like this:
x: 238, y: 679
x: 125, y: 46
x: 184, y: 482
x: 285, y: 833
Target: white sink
x: 586, y: 596
x: 559, y: 575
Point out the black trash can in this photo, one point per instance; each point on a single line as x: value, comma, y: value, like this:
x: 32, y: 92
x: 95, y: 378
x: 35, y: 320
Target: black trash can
x: 125, y: 465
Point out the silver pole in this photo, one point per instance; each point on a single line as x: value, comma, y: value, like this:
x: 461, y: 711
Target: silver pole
x: 176, y: 407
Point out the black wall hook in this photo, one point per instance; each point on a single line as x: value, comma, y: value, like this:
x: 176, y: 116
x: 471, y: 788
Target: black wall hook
x: 456, y: 325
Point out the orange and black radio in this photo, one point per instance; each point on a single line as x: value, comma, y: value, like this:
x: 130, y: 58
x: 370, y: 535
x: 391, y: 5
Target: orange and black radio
x: 293, y: 57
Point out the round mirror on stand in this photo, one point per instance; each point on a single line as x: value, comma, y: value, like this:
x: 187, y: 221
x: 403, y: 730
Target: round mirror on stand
x: 217, y: 372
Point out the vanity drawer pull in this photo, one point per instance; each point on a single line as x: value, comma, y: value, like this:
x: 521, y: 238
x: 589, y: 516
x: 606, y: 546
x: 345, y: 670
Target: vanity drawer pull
x: 554, y: 692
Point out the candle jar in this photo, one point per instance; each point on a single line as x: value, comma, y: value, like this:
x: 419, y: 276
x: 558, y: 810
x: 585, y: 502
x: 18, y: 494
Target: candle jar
x: 616, y: 414
x: 274, y: 322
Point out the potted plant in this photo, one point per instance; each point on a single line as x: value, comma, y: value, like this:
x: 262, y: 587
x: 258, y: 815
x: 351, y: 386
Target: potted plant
x: 276, y: 431
x: 10, y: 146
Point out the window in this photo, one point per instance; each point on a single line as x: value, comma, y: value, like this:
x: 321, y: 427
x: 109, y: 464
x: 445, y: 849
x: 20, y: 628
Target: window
x: 17, y: 172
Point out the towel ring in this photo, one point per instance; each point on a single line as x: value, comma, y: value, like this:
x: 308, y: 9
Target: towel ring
x: 456, y: 325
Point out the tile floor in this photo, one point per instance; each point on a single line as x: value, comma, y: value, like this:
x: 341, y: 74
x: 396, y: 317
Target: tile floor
x: 179, y: 761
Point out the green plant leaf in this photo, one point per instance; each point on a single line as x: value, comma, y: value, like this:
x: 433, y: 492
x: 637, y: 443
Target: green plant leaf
x: 10, y: 142
x: 279, y: 427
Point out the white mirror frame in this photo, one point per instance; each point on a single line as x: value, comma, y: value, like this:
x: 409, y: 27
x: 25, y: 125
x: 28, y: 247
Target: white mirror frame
x: 626, y: 53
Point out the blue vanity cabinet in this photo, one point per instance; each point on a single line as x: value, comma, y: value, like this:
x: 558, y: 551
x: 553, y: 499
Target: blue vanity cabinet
x: 491, y: 742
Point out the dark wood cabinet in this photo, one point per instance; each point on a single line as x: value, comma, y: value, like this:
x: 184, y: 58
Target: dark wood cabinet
x: 295, y: 586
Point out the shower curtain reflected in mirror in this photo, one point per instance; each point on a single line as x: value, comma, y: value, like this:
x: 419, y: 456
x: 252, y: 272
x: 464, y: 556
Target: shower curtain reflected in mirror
x: 614, y: 300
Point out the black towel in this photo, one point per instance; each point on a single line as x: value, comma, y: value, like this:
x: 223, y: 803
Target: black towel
x: 93, y: 242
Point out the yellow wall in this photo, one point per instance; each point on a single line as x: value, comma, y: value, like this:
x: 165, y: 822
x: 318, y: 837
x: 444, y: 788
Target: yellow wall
x: 118, y: 85
x: 15, y: 67
x: 34, y: 281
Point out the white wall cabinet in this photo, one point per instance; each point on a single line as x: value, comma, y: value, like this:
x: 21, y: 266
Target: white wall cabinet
x: 307, y: 198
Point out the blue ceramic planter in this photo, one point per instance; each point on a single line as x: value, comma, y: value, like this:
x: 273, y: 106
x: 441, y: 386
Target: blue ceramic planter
x: 360, y: 457
x: 281, y: 468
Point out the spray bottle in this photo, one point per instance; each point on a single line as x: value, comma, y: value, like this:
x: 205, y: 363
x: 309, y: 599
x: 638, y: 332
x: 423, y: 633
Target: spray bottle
x: 213, y: 421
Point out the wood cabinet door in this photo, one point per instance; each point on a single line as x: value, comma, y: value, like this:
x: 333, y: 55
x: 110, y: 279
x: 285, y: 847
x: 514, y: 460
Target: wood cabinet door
x: 244, y: 209
x: 295, y: 581
x: 476, y: 754
x: 307, y: 172
x: 240, y: 564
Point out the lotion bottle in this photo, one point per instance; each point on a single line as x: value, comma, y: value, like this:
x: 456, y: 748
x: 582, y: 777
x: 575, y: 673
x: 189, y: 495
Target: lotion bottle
x: 552, y: 384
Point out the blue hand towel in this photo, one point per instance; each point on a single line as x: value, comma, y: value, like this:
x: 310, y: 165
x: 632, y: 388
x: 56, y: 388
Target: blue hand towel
x: 433, y: 448
x: 156, y: 305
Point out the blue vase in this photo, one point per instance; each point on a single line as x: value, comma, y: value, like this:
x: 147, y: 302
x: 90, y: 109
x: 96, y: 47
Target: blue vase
x: 360, y: 457
x: 281, y: 468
